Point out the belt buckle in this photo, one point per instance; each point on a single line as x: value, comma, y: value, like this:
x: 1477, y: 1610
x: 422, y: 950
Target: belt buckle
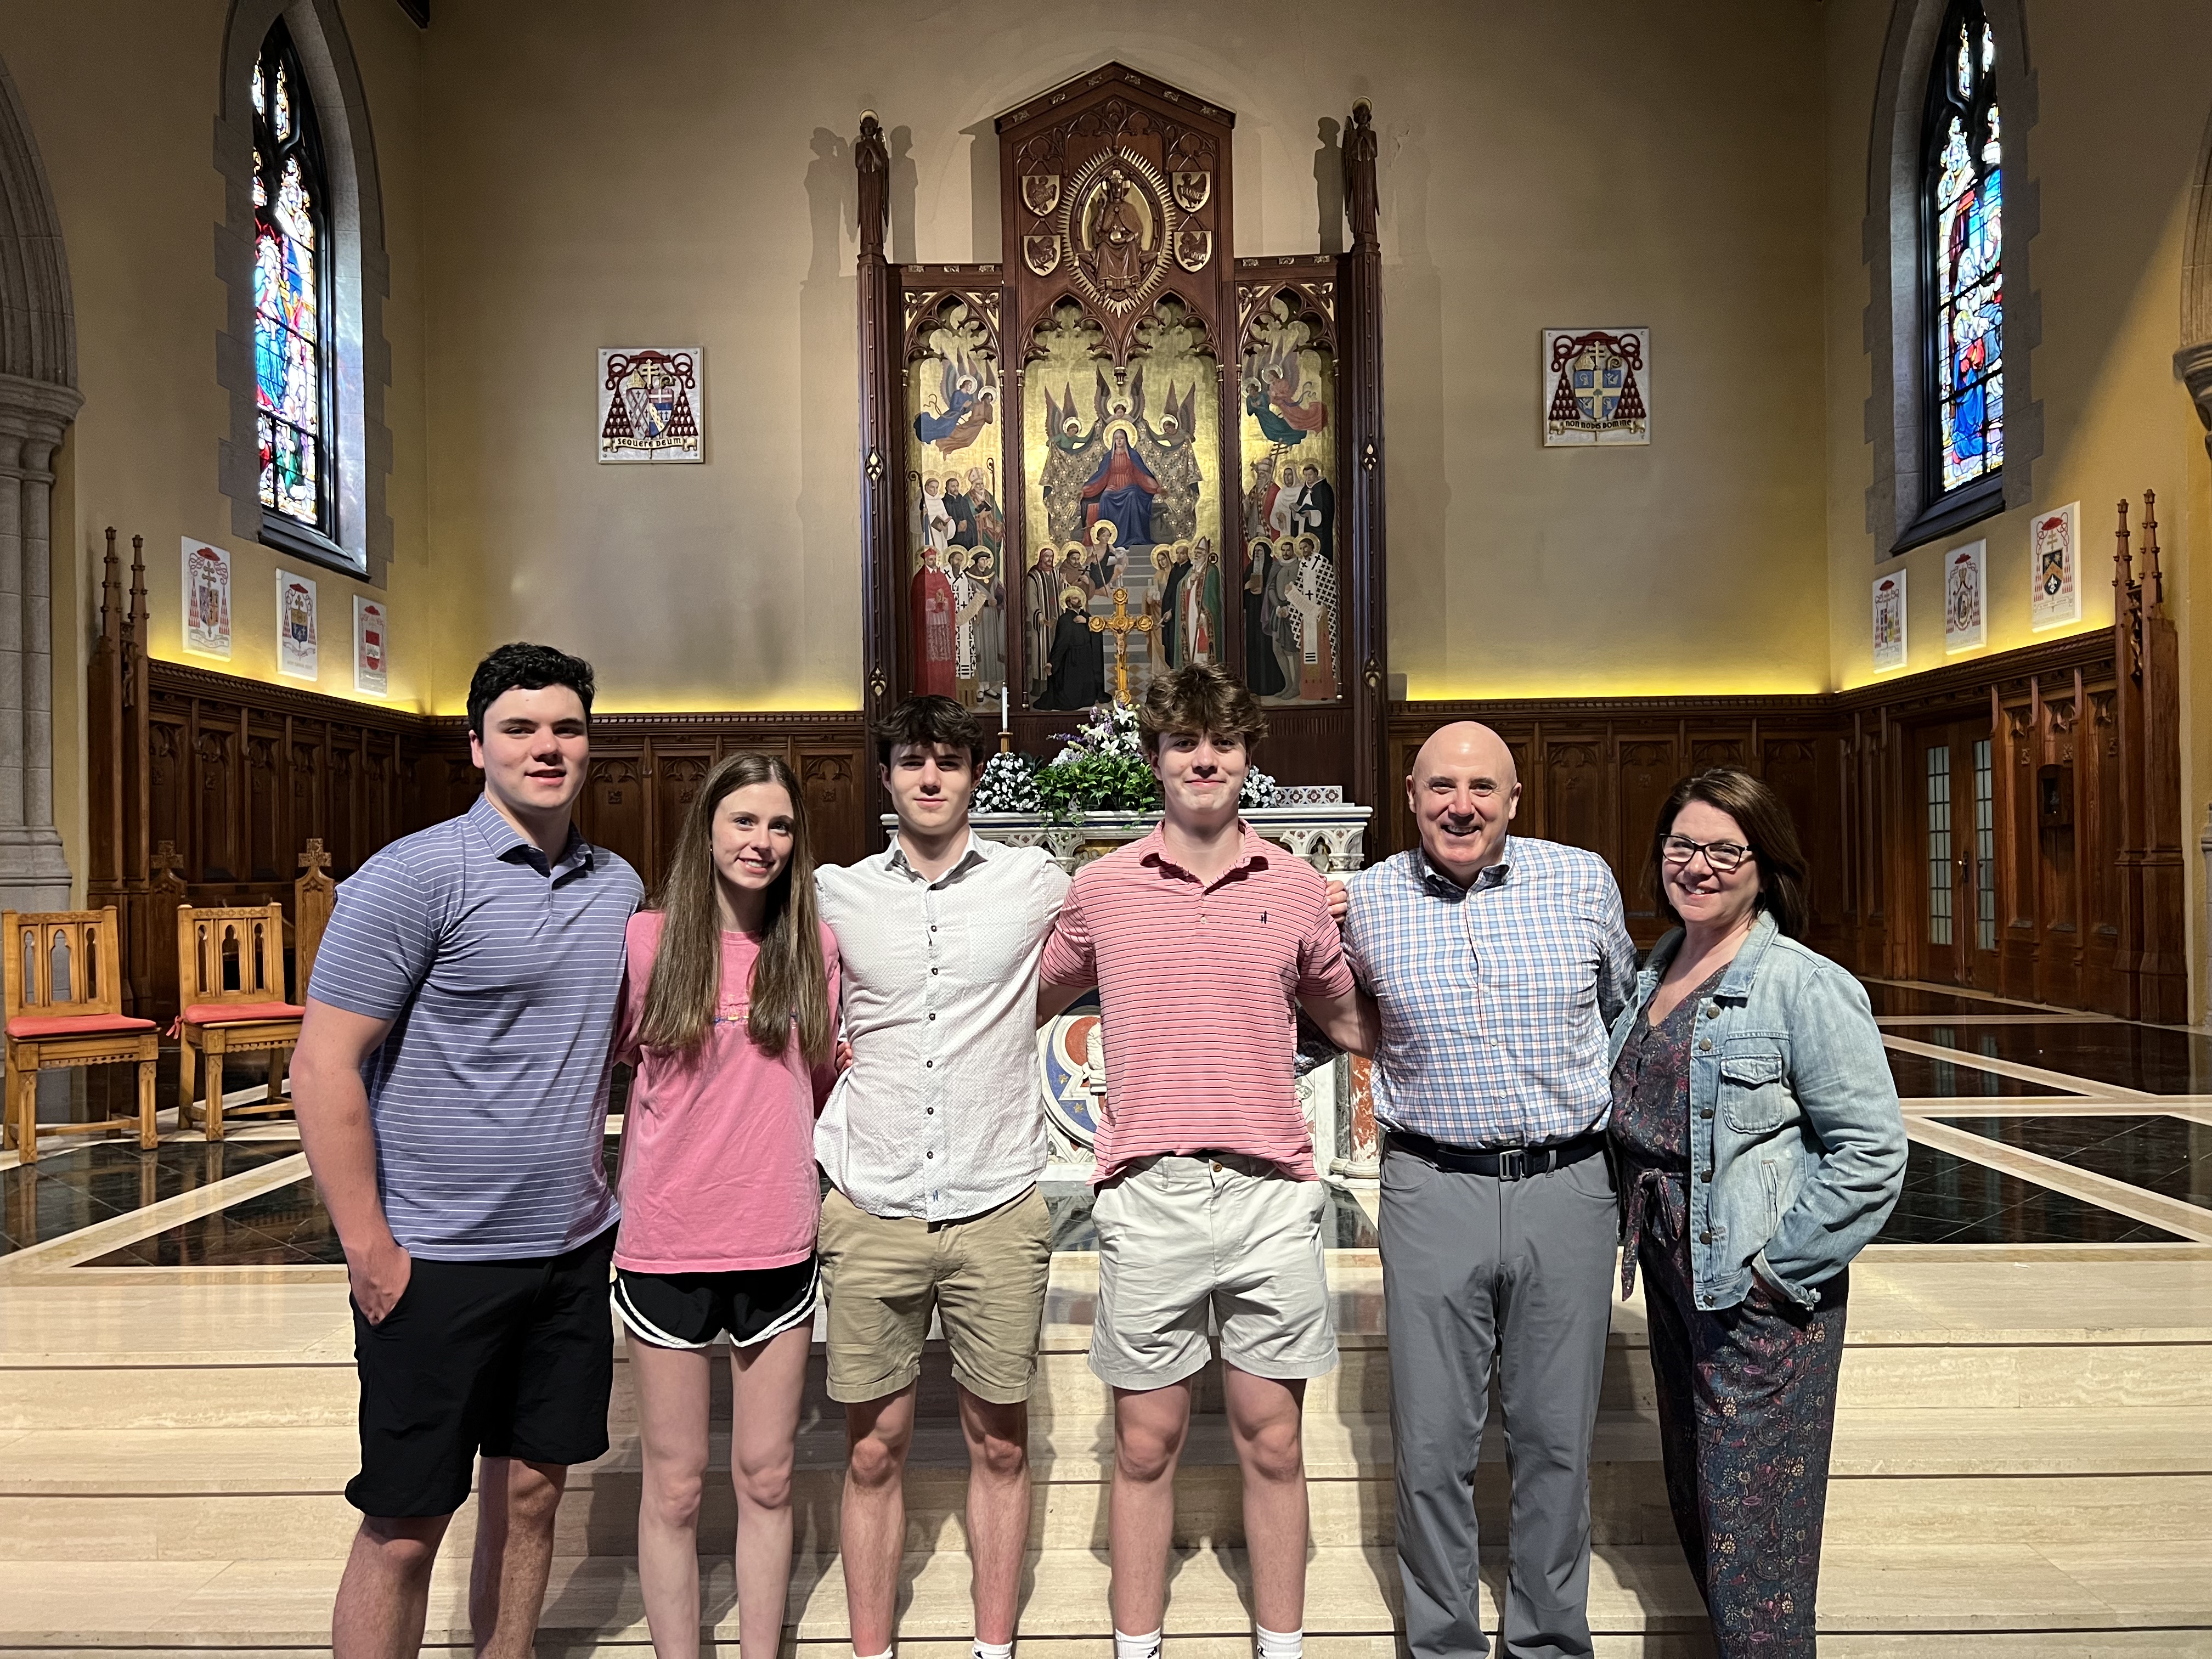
x: 1513, y: 1164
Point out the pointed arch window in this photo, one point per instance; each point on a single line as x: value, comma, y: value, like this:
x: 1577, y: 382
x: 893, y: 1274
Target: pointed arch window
x: 292, y: 302
x: 1962, y: 250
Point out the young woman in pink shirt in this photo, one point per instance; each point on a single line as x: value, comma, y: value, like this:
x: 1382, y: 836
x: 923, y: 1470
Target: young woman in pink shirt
x: 728, y: 1015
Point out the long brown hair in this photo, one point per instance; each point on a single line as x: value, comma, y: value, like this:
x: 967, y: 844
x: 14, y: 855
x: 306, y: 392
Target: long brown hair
x: 1766, y: 826
x: 790, y: 983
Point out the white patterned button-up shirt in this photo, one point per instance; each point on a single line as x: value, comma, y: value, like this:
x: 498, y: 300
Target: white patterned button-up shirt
x: 940, y: 1115
x: 1496, y: 997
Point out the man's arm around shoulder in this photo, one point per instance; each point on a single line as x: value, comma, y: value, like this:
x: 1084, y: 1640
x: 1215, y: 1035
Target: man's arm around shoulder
x: 331, y: 1104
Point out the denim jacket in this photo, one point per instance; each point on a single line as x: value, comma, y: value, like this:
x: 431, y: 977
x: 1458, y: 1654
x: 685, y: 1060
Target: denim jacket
x: 1796, y: 1143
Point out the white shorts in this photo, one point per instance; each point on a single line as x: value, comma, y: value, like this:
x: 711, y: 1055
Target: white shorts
x: 1181, y: 1237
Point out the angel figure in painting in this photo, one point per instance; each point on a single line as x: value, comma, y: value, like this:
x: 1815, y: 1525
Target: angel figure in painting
x: 969, y: 401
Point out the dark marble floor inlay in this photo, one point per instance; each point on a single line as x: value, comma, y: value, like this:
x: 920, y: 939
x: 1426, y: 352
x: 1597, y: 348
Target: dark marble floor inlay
x: 2169, y: 1155
x: 1911, y: 999
x: 81, y: 1186
x: 2146, y: 1057
x: 1918, y: 1077
x: 1951, y: 1200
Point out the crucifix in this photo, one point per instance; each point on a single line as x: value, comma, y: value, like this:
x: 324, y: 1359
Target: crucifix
x: 1121, y: 625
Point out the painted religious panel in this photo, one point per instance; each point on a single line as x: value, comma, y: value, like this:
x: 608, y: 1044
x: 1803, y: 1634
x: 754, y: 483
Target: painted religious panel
x: 1124, y: 570
x: 957, y: 586
x: 1292, y: 623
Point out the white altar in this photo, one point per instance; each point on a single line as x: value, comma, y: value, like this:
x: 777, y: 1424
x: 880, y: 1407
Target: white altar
x: 1315, y: 824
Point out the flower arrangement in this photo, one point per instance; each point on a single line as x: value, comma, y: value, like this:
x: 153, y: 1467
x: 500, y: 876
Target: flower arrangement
x: 1008, y: 784
x: 1102, y: 769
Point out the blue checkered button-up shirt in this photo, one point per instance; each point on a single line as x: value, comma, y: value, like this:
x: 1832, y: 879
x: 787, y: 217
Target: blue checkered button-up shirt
x: 1496, y: 997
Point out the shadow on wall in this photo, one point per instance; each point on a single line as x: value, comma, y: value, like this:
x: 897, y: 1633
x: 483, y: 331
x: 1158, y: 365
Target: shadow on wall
x: 826, y: 508
x: 1329, y: 185
x: 1413, y: 357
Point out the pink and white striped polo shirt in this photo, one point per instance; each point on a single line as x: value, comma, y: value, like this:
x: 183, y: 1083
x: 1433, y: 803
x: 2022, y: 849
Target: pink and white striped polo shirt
x: 1198, y: 987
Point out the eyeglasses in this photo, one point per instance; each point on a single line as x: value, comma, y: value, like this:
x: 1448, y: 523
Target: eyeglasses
x: 1724, y: 858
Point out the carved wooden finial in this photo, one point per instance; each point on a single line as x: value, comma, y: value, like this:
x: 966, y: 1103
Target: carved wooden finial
x: 2154, y: 582
x: 111, y: 592
x: 315, y: 858
x: 2122, y: 572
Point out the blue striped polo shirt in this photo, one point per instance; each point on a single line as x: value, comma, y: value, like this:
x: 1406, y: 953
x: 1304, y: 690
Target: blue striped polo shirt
x: 489, y: 1097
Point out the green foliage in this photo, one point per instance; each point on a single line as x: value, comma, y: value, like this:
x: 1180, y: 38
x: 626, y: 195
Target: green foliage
x: 1097, y: 783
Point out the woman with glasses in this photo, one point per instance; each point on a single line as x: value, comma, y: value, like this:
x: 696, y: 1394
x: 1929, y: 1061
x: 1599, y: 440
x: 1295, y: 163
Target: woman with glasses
x: 1760, y: 1147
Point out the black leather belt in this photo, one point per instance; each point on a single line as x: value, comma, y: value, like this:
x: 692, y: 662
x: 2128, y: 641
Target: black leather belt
x: 1506, y: 1164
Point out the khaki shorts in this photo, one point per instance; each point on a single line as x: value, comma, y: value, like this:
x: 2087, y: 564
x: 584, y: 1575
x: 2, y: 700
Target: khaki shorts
x: 1181, y: 1237
x: 984, y: 1277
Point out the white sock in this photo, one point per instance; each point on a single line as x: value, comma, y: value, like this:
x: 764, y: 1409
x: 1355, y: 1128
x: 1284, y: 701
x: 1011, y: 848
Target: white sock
x: 1281, y: 1643
x: 994, y: 1649
x: 1138, y: 1647
x: 885, y: 1653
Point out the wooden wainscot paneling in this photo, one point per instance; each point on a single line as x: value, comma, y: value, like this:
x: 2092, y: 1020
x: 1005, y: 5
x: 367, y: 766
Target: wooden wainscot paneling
x: 2084, y: 795
x: 205, y: 788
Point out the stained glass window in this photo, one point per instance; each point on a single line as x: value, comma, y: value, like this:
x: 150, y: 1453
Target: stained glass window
x: 1961, y: 203
x: 290, y: 292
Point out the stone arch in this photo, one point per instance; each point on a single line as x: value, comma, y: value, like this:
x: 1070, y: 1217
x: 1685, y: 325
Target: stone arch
x: 360, y: 272
x: 39, y: 399
x: 1890, y: 235
x: 2193, y: 362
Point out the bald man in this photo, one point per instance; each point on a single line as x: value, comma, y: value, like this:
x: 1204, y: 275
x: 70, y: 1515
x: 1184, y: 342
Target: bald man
x: 1497, y: 963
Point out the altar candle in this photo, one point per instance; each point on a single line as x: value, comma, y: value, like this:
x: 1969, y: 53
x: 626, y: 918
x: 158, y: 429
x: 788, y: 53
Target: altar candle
x: 1002, y: 708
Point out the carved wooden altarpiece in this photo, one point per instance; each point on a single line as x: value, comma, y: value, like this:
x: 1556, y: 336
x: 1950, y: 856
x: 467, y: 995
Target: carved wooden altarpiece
x: 1122, y: 407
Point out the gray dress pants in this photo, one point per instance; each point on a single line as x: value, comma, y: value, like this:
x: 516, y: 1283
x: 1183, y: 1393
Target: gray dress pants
x: 1484, y: 1277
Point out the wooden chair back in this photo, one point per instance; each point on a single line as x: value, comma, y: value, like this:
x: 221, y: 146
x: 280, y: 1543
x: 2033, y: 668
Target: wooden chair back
x: 218, y: 942
x: 56, y: 964
x: 314, y: 896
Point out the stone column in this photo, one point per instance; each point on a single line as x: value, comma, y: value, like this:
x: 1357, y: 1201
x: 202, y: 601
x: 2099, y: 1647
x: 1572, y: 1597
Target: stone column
x: 2194, y: 364
x: 34, y: 415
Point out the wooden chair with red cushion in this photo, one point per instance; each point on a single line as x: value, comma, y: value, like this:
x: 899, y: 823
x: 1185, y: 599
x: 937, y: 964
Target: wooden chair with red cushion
x: 39, y: 951
x: 230, y: 981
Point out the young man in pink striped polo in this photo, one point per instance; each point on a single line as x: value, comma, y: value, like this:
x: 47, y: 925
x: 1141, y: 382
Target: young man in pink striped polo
x: 1204, y: 941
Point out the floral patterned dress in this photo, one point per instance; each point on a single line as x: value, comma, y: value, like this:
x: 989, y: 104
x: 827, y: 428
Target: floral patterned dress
x: 1747, y: 1394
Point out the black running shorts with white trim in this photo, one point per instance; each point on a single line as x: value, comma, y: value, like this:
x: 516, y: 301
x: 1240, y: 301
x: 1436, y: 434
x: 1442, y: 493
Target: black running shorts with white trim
x: 690, y: 1311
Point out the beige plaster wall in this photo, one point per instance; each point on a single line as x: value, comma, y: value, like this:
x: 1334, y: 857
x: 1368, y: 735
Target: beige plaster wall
x: 122, y: 97
x: 2121, y: 120
x: 628, y: 175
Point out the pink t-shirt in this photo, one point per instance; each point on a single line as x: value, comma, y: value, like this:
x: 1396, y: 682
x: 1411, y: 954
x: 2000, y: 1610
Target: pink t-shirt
x: 718, y: 1147
x: 1198, y: 984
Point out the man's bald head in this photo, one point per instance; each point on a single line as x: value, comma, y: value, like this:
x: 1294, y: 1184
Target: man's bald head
x: 1463, y: 790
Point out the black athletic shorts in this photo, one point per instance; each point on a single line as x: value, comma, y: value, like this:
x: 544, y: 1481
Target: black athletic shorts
x: 508, y: 1358
x: 689, y: 1311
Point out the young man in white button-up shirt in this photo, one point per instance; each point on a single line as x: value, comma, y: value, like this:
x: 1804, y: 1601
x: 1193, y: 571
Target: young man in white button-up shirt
x: 933, y: 1143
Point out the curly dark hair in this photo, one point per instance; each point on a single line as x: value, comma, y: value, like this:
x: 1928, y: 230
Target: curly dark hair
x: 525, y: 667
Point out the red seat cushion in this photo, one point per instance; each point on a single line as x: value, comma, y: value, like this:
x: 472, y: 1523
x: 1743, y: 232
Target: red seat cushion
x: 237, y: 1013
x: 56, y: 1025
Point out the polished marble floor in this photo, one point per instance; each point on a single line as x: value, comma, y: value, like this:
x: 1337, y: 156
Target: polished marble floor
x: 2074, y: 1155
x: 79, y: 1185
x: 2161, y: 1154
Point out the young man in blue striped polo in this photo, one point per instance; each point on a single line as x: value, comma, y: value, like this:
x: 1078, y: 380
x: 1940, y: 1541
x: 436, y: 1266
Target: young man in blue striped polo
x: 451, y: 1085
